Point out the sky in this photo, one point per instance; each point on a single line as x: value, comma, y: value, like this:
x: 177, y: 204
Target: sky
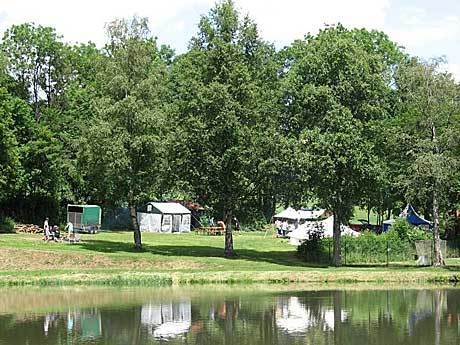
x: 426, y: 28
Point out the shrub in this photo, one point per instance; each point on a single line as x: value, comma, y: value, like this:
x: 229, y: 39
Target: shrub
x: 366, y: 248
x: 402, y: 228
x: 317, y: 250
x: 255, y: 225
x: 417, y: 234
x: 7, y: 224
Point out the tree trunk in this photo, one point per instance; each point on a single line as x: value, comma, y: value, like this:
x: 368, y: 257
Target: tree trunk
x: 337, y: 307
x: 438, y: 259
x: 228, y: 235
x: 137, y: 231
x: 336, y: 260
x: 438, y: 299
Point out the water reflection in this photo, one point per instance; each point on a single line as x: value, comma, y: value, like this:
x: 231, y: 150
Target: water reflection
x: 167, y: 320
x: 294, y: 317
x: 313, y: 317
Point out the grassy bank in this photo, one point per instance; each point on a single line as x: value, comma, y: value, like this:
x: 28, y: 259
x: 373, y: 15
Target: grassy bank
x: 170, y: 259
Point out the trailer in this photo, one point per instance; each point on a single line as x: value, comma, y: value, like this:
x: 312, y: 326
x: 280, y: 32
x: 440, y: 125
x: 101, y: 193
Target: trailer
x: 85, y: 218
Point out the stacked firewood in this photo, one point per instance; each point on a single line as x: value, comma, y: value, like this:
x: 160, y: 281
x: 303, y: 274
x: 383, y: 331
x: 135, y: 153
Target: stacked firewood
x: 28, y: 228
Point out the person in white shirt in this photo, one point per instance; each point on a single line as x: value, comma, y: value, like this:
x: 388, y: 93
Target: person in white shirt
x: 284, y: 227
x: 69, y: 228
x: 46, y: 229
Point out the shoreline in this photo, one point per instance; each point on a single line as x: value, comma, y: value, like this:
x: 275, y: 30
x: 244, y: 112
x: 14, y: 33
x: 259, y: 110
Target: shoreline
x: 343, y: 276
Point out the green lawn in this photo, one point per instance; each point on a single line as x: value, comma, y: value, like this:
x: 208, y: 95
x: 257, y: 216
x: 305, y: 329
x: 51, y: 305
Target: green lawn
x: 182, y: 258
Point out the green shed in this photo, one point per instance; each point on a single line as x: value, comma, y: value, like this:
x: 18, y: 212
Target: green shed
x: 84, y: 217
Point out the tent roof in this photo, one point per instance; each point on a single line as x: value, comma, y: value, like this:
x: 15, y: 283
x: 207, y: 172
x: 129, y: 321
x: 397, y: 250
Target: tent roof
x: 169, y: 207
x: 288, y: 213
x: 413, y: 217
x: 310, y: 214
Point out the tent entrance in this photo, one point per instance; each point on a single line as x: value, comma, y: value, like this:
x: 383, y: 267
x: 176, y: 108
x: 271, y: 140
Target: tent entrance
x: 176, y: 223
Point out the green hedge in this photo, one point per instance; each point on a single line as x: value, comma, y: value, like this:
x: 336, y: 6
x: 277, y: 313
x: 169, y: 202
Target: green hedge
x: 395, y: 245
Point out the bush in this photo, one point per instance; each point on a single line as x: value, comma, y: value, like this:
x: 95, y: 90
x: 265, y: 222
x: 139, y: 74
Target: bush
x: 366, y: 248
x: 7, y: 224
x: 402, y: 228
x: 317, y: 250
x: 255, y: 225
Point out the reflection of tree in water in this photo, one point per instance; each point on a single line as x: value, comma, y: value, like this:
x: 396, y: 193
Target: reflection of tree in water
x: 323, y: 317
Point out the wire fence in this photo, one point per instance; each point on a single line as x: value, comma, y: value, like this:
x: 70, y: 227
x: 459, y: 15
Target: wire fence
x: 376, y: 252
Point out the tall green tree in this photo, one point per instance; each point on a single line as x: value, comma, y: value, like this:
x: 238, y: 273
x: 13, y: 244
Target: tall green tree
x: 335, y: 85
x: 430, y: 114
x: 224, y: 89
x: 122, y: 153
x: 10, y: 164
x: 36, y: 61
x: 337, y: 164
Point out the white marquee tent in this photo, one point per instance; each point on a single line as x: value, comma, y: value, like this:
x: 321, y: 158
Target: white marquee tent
x: 288, y: 213
x: 310, y: 214
x: 164, y: 217
x: 302, y: 233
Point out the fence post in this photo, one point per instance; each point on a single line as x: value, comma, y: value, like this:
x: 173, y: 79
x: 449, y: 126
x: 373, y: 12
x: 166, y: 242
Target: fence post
x: 432, y: 252
x: 345, y: 258
x: 388, y: 254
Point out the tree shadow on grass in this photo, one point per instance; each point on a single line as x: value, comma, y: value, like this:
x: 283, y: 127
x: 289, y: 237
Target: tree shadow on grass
x: 284, y: 258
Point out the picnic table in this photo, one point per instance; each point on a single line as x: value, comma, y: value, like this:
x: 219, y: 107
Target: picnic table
x: 211, y: 230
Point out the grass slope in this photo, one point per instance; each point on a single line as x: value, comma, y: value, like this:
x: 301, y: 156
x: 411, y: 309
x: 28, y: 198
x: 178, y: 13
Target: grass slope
x: 109, y: 258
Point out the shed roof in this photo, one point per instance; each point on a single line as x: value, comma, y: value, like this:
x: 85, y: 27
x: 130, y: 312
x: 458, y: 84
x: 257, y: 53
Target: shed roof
x: 169, y: 207
x: 84, y: 206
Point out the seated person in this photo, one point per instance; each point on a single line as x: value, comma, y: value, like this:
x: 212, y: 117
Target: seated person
x: 56, y: 232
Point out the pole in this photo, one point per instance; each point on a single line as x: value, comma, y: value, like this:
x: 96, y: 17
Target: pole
x: 388, y: 254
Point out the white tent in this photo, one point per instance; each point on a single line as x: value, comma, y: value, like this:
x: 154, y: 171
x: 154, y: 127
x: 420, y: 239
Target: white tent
x: 310, y: 214
x: 164, y: 217
x: 326, y: 226
x: 288, y: 213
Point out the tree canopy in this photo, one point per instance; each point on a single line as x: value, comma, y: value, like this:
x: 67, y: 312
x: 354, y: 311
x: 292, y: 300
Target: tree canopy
x: 338, y: 119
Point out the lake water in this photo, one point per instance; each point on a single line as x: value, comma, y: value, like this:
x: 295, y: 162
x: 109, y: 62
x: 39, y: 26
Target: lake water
x: 224, y: 315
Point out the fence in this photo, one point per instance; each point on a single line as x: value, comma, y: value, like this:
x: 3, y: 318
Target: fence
x: 371, y: 250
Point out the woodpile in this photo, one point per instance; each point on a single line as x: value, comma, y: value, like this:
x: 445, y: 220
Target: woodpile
x: 212, y: 230
x: 28, y: 228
